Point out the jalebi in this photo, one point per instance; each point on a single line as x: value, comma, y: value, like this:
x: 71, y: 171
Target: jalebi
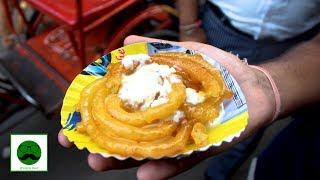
x: 152, y: 132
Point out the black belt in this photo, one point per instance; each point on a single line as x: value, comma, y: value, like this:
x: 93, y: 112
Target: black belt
x: 224, y: 19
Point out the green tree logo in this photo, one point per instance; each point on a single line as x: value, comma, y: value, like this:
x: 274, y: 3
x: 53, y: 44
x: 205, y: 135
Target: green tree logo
x: 29, y: 152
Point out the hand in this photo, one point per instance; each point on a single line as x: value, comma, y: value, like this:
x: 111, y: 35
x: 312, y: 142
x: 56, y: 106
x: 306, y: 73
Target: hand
x: 260, y: 104
x: 197, y: 35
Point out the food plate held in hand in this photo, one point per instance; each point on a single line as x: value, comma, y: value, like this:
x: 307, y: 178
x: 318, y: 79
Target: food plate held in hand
x: 153, y: 100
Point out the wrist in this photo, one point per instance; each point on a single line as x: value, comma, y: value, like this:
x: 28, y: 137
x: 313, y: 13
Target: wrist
x: 274, y: 70
x: 276, y: 94
x: 265, y: 97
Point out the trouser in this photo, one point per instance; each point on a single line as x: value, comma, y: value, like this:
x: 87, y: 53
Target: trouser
x: 295, y: 152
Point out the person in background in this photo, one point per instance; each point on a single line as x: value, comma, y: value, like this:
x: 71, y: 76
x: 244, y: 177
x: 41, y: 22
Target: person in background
x: 6, y: 36
x: 255, y: 30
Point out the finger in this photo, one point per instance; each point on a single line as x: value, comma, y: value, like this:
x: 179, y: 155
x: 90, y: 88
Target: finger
x: 135, y: 39
x: 163, y: 169
x: 63, y: 140
x: 215, y: 53
x: 99, y: 163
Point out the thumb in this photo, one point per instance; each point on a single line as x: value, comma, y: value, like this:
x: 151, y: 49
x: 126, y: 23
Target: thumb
x: 135, y: 39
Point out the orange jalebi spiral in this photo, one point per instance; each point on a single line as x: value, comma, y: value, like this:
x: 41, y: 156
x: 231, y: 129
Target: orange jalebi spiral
x: 152, y: 132
x: 104, y: 120
x: 194, y: 67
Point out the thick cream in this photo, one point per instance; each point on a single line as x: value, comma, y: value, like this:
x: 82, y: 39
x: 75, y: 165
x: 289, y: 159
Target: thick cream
x: 149, y: 85
x: 193, y: 97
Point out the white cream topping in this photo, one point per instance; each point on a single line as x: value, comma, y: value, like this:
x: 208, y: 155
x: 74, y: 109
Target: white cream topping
x: 178, y: 116
x: 193, y: 97
x: 149, y: 85
x: 130, y: 60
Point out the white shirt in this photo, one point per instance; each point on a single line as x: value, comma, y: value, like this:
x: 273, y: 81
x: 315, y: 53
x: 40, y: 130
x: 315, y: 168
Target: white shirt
x: 271, y: 19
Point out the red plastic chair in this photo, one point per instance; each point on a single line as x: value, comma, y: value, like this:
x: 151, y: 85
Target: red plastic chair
x: 74, y: 15
x: 68, y: 11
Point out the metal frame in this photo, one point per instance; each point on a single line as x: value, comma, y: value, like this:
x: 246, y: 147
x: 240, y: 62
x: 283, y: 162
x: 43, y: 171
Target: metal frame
x: 17, y: 85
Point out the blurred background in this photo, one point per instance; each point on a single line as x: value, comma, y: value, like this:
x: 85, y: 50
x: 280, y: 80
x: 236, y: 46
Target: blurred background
x: 45, y: 44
